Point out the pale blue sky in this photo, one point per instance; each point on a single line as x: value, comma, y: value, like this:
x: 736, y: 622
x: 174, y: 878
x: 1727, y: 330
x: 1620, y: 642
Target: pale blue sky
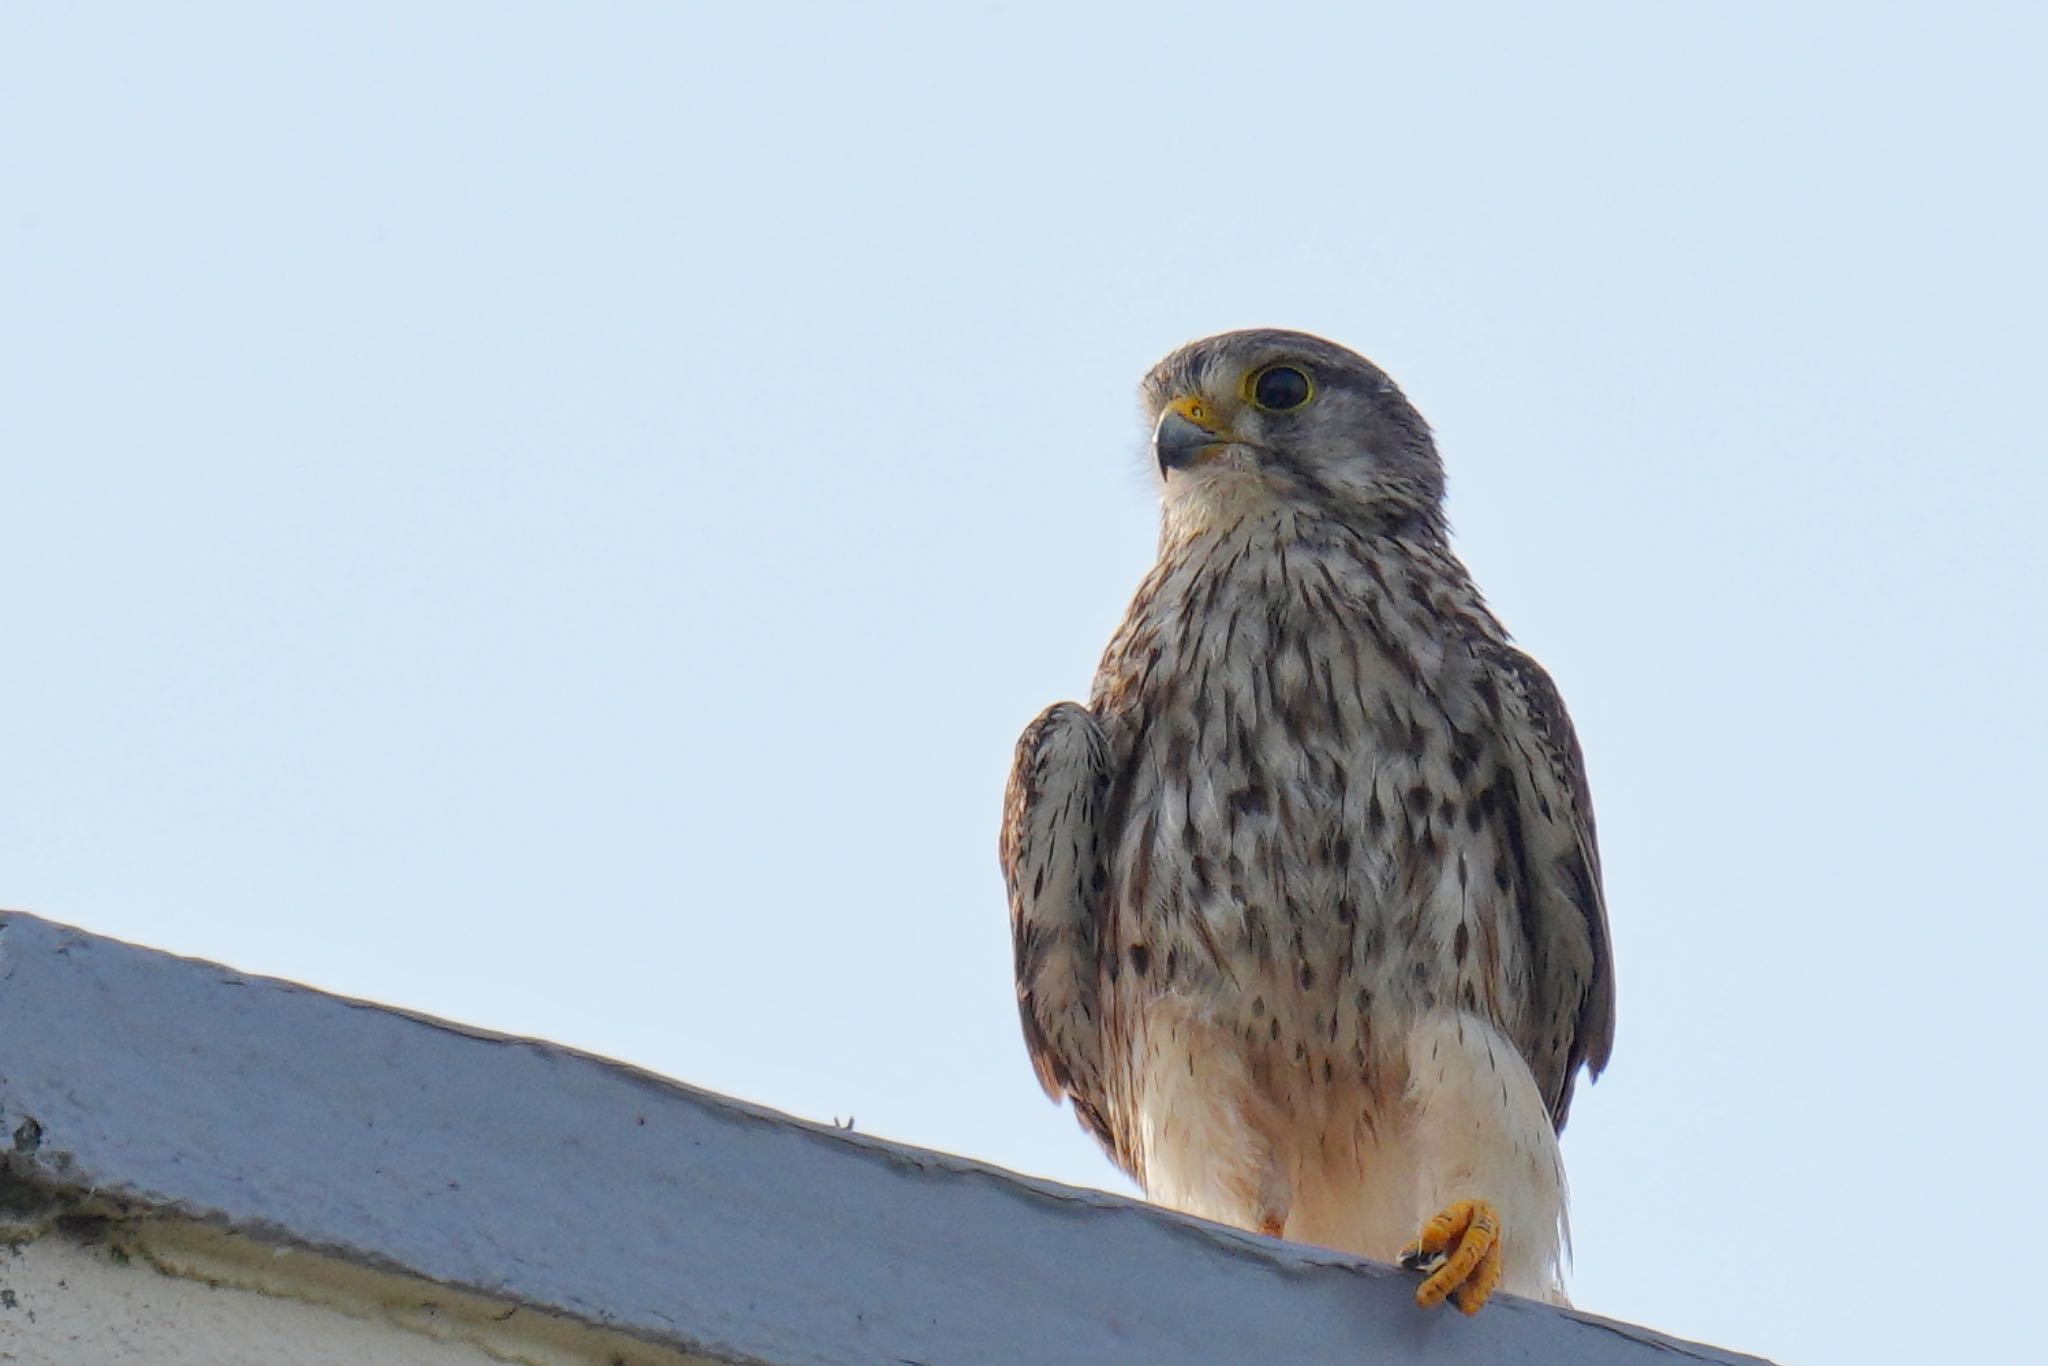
x: 554, y: 515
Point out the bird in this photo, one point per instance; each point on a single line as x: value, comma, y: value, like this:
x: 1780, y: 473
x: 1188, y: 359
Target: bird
x: 1306, y: 906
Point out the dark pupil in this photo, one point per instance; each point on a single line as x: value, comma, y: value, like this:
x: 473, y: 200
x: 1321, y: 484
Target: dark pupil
x: 1281, y: 387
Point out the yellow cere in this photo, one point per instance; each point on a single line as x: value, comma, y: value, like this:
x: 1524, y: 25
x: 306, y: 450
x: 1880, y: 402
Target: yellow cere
x: 1194, y: 410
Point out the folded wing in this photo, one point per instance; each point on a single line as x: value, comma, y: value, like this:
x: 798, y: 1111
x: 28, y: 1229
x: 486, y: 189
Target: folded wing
x: 1547, y: 822
x: 1052, y: 853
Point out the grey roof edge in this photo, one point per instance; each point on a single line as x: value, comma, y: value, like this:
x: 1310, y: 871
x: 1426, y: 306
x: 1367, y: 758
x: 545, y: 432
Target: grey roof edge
x: 224, y: 1259
x: 533, y: 1174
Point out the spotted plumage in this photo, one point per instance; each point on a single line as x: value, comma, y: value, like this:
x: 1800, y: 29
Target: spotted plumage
x: 1306, y: 899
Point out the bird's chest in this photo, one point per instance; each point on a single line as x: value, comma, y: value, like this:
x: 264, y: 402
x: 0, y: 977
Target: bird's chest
x: 1294, y: 841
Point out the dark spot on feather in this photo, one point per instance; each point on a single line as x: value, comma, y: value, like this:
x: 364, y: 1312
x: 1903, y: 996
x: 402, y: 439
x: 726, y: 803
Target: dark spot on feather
x: 1257, y: 936
x: 1140, y: 884
x: 1241, y: 740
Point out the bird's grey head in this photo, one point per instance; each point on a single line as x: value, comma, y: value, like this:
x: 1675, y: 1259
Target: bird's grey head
x: 1266, y: 420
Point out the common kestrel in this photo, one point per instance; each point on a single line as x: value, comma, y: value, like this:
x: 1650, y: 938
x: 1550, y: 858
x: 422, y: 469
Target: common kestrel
x: 1307, y: 906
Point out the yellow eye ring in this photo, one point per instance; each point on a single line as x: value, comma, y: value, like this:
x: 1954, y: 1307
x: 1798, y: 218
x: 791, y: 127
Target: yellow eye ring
x: 1279, y: 388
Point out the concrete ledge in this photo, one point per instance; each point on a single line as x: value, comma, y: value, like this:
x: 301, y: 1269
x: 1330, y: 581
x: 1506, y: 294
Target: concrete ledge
x: 169, y: 1094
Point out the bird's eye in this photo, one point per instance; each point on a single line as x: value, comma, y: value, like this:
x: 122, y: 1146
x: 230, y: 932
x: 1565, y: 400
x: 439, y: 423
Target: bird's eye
x: 1280, y: 388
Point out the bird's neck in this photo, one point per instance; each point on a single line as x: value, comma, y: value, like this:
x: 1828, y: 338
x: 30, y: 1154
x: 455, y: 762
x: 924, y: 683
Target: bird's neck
x: 1222, y: 590
x: 1334, y: 571
x: 1214, y: 532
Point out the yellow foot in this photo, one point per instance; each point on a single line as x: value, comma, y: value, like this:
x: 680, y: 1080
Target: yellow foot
x: 1271, y: 1226
x: 1460, y: 1249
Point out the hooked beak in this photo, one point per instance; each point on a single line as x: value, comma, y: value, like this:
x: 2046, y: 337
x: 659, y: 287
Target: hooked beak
x: 1178, y: 441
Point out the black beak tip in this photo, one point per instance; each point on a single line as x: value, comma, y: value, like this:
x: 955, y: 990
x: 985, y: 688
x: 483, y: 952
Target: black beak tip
x: 1176, y: 442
